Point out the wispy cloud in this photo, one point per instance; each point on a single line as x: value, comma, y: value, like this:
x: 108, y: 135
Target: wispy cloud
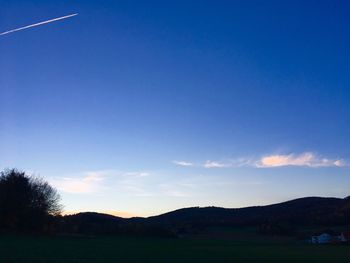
x: 175, y: 193
x: 94, y: 181
x: 183, y: 163
x: 307, y: 159
x: 173, y: 190
x: 136, y: 174
x: 213, y: 164
x: 239, y: 162
x: 89, y: 183
x: 136, y: 189
x: 208, y: 164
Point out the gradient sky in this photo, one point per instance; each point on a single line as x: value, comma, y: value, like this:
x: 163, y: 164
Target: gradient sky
x: 141, y: 107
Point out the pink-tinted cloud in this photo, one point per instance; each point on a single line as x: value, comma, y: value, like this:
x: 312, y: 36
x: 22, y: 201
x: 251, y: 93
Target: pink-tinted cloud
x: 307, y: 159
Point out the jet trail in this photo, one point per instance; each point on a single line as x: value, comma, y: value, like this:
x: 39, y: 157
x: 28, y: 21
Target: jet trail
x: 37, y: 24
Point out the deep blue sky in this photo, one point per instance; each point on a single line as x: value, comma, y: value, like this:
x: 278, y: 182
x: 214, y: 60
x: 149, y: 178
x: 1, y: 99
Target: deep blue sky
x: 148, y: 106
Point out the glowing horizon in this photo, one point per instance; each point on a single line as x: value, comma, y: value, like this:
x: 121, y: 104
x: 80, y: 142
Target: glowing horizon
x: 146, y: 107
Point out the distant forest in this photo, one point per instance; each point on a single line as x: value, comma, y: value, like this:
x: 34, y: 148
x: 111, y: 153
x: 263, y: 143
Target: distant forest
x: 28, y: 204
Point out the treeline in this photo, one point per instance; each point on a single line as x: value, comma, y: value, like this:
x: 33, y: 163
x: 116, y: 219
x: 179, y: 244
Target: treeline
x: 102, y: 224
x: 29, y: 204
x: 278, y: 219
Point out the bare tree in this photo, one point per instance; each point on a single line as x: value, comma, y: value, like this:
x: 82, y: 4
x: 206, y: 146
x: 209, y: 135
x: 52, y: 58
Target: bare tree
x: 26, y: 202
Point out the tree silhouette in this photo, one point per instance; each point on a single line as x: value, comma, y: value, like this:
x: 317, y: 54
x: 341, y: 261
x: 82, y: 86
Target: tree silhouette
x: 27, y: 203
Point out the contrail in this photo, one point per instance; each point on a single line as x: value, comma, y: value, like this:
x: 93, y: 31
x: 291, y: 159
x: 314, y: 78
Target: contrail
x: 37, y: 24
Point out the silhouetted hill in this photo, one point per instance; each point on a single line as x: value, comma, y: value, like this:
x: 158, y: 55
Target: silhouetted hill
x: 90, y: 223
x: 281, y: 218
x: 308, y: 210
x: 93, y: 216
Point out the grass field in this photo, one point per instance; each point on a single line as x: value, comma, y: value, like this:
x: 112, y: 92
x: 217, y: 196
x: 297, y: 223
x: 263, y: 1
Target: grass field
x: 118, y: 249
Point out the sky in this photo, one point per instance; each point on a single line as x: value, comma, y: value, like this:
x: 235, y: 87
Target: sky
x: 137, y: 108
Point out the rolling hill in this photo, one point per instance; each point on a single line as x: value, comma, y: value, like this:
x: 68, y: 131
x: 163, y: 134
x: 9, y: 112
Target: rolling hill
x: 281, y: 217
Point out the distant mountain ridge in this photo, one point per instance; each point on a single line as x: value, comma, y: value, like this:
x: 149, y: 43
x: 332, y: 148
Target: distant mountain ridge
x: 301, y: 210
x: 312, y: 211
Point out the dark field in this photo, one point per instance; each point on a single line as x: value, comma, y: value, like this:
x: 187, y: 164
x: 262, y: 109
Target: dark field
x: 118, y: 249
